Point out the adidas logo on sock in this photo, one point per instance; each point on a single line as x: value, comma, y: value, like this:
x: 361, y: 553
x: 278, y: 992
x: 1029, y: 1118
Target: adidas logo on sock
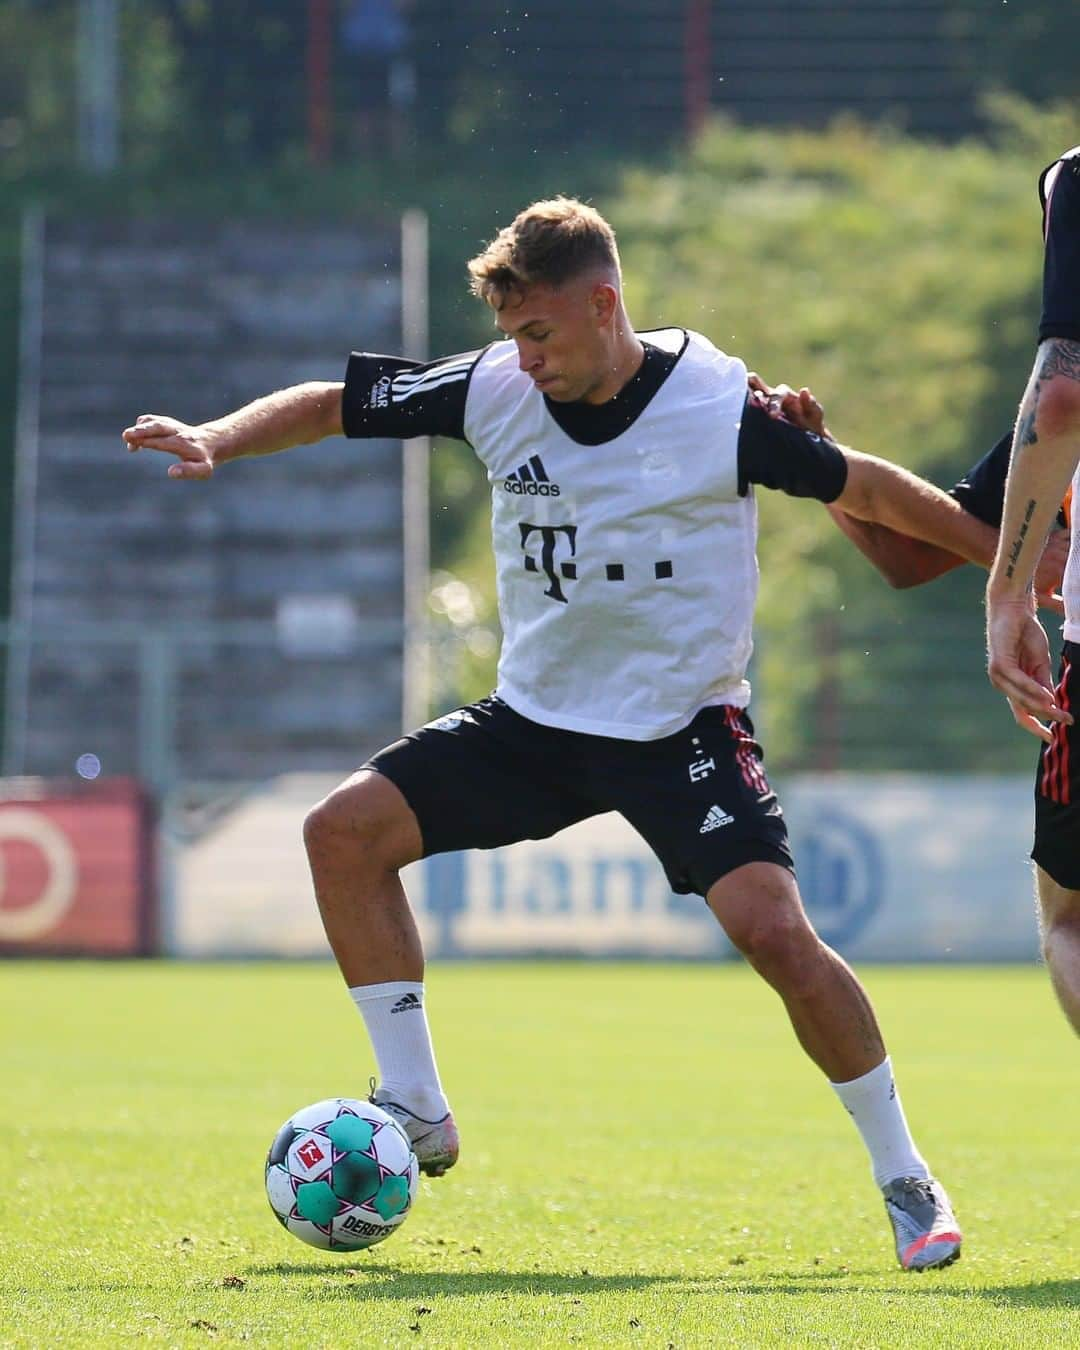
x: 406, y: 1003
x: 531, y: 480
x: 715, y: 819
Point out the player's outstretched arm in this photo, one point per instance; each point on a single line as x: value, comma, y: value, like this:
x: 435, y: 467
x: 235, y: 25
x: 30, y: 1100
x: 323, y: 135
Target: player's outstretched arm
x: 901, y: 560
x: 297, y: 416
x: 905, y: 562
x: 886, y: 494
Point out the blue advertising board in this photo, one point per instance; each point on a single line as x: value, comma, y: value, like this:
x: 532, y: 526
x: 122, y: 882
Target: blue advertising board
x: 891, y: 867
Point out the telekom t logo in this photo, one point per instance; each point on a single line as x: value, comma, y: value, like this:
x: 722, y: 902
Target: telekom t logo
x: 310, y: 1154
x: 549, y: 538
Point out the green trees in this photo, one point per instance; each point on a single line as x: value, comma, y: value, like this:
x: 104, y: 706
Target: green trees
x: 899, y: 278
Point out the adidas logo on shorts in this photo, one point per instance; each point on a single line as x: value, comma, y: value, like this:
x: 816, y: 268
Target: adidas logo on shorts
x: 715, y: 819
x: 406, y: 1003
x: 531, y: 480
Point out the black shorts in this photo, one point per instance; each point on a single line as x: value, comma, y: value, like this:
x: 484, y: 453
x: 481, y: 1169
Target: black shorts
x: 1061, y: 263
x: 1057, y: 787
x: 485, y: 776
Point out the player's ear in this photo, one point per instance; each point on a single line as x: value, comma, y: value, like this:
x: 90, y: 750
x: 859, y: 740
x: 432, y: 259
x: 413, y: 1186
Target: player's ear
x: 604, y: 302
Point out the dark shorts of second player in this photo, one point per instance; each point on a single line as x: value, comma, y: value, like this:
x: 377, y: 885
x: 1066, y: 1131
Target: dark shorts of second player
x: 1057, y: 785
x: 485, y: 776
x: 1061, y: 264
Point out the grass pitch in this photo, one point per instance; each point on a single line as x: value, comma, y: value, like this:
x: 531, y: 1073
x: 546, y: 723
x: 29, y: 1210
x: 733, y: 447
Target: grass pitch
x: 647, y: 1161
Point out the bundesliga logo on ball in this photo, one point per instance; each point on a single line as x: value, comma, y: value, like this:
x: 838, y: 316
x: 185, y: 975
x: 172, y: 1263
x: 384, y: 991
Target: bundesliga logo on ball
x: 341, y: 1175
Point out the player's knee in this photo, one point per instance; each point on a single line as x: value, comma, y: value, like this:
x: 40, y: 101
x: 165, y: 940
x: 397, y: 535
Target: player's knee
x: 328, y: 822
x: 778, y: 943
x: 352, y: 817
x: 1059, y: 907
x: 1061, y: 926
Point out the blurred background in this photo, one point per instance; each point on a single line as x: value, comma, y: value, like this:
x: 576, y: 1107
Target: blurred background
x: 200, y: 202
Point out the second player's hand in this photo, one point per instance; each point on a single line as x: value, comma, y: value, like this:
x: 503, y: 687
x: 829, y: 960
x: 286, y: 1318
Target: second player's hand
x: 192, y: 445
x: 1019, y: 665
x: 798, y: 406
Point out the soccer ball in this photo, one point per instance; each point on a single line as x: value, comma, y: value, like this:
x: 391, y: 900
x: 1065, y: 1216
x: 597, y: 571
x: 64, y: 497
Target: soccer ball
x: 341, y: 1175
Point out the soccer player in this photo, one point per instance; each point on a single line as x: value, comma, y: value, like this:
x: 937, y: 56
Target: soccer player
x: 622, y: 470
x: 1045, y: 457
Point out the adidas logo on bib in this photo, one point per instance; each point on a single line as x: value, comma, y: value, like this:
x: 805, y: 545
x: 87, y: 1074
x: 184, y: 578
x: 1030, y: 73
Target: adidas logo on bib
x: 715, y: 819
x: 531, y: 480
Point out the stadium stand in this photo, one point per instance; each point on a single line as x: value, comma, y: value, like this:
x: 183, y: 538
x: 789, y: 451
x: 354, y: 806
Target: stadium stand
x: 277, y: 588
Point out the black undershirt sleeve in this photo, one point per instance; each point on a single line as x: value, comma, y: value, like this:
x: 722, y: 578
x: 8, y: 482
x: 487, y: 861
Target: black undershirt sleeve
x: 981, y: 491
x: 393, y: 397
x: 775, y: 454
x: 1061, y: 266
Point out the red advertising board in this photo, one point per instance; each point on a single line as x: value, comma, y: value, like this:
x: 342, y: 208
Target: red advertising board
x: 77, y: 874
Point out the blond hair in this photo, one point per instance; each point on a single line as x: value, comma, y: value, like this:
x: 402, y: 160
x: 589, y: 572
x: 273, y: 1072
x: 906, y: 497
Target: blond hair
x: 546, y: 244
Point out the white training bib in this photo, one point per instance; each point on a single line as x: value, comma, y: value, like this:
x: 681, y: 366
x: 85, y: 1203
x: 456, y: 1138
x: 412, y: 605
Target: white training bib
x: 626, y: 571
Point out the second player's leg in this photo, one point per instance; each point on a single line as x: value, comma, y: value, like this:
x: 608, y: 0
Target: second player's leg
x: 1059, y: 916
x: 759, y: 907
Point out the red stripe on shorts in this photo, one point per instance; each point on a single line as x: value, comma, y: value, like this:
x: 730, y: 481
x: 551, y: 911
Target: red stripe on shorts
x: 749, y: 765
x: 1047, y: 785
x: 1063, y: 702
x: 1055, y: 775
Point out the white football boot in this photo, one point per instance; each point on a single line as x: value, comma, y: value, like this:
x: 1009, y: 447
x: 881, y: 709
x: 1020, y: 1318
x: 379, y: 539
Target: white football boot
x: 435, y: 1142
x: 927, y: 1234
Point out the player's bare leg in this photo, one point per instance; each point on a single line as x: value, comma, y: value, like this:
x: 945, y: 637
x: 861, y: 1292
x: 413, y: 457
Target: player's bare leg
x: 1059, y: 913
x: 761, y: 911
x: 357, y: 839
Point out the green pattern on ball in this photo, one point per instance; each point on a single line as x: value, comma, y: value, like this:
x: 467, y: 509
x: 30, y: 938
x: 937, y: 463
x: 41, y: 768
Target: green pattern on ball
x: 355, y: 1178
x: 350, y: 1132
x: 316, y: 1202
x: 392, y: 1198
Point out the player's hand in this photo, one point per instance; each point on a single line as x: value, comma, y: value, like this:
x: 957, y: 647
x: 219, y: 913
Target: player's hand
x: 192, y: 445
x: 798, y: 406
x: 1050, y: 571
x: 1019, y: 665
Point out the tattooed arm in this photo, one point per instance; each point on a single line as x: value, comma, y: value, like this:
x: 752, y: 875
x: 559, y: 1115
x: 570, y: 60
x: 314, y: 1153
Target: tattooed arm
x: 1046, y: 448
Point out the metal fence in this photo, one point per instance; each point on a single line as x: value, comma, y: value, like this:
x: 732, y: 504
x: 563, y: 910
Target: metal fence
x: 168, y: 712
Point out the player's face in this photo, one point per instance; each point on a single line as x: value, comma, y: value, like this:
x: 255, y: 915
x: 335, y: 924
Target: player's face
x: 562, y: 338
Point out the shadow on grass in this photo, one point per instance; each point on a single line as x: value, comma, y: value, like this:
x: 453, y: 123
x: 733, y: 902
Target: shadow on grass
x: 1037, y: 1294
x: 368, y: 1280
x: 945, y: 1284
x: 364, y: 1280
x: 940, y: 1284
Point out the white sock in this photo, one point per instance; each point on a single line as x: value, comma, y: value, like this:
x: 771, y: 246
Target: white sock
x: 873, y: 1103
x: 397, y: 1024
